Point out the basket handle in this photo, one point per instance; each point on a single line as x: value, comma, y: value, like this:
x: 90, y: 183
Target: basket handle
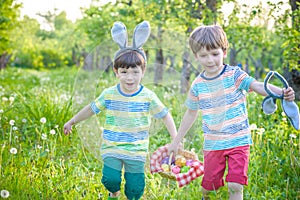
x: 170, y: 159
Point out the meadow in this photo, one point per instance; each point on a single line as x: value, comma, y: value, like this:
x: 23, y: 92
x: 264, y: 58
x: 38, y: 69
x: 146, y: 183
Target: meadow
x: 37, y: 161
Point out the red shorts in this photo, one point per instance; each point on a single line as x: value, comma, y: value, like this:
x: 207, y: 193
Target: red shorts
x: 215, y: 165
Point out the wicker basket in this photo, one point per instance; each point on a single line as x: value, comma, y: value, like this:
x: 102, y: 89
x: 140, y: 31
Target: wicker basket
x: 189, y: 155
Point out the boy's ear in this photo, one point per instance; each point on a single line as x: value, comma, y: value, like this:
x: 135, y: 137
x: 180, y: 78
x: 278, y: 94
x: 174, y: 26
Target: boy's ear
x: 224, y: 53
x: 115, y: 71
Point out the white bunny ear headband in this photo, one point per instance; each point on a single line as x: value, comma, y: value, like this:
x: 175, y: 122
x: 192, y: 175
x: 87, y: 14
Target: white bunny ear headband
x: 140, y: 36
x: 269, y: 106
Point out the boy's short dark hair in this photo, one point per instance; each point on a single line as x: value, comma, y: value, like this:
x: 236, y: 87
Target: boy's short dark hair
x: 129, y: 59
x: 209, y: 37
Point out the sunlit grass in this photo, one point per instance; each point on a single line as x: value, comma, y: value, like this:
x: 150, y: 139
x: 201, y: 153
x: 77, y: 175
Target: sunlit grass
x: 37, y: 161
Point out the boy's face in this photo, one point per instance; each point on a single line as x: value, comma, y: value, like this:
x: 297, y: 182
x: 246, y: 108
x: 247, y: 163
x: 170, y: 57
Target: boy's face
x: 211, y: 61
x: 130, y: 78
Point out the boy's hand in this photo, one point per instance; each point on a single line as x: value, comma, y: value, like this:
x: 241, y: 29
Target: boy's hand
x: 289, y: 94
x: 67, y: 128
x: 173, y: 147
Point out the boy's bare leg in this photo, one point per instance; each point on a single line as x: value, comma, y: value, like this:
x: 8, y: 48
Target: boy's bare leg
x: 235, y: 191
x: 205, y: 194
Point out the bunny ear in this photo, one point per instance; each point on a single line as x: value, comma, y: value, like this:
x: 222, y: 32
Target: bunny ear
x: 119, y: 34
x: 141, y: 34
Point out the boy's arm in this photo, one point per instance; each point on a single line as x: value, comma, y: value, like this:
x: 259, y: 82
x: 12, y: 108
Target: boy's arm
x: 170, y: 124
x: 258, y: 87
x: 188, y: 120
x: 83, y: 114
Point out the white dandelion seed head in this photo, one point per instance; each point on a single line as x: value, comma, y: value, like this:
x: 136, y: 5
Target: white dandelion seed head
x: 56, y: 126
x: 12, y: 122
x: 44, y: 136
x: 39, y: 146
x: 4, y: 99
x: 52, y: 132
x: 43, y: 120
x: 4, y: 194
x: 11, y: 99
x: 284, y: 119
x: 15, y: 128
x: 253, y: 127
x: 1, y: 111
x: 13, y: 151
x: 24, y: 120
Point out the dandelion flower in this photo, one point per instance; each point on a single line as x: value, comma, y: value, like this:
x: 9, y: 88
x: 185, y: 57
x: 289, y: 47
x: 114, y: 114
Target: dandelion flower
x: 253, y: 127
x: 293, y: 136
x: 43, y: 120
x: 11, y: 99
x: 44, y: 136
x: 4, y: 194
x: 52, y: 132
x: 24, y: 120
x: 56, y: 126
x: 15, y: 128
x: 39, y: 146
x: 1, y: 111
x: 13, y: 151
x: 12, y: 122
x: 4, y: 99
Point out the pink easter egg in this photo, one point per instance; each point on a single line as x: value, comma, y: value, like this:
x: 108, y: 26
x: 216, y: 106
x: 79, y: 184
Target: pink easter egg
x: 176, y: 170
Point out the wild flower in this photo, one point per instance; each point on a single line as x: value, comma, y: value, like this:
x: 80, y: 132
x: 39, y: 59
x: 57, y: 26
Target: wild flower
x: 52, y: 132
x: 12, y: 122
x: 39, y: 146
x: 11, y: 99
x: 24, y: 120
x: 253, y: 127
x: 260, y: 131
x: 13, y: 151
x: 293, y: 136
x: 4, y: 99
x: 43, y: 120
x: 15, y: 128
x: 56, y: 126
x: 1, y: 111
x: 44, y: 136
x: 4, y: 194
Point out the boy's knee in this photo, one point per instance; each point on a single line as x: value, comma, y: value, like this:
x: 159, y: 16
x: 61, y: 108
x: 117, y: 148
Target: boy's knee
x: 135, y: 185
x: 235, y: 187
x: 112, y: 184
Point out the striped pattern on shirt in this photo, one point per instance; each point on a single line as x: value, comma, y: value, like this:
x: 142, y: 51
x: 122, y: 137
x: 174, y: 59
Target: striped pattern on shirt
x: 222, y: 102
x: 128, y: 118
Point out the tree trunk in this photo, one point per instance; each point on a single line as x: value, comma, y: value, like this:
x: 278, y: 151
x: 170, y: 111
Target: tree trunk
x: 159, y: 59
x: 4, y: 58
x: 185, y: 73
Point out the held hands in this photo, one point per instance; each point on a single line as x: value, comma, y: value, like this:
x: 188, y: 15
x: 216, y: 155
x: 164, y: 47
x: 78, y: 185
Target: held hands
x: 174, y: 147
x: 289, y: 94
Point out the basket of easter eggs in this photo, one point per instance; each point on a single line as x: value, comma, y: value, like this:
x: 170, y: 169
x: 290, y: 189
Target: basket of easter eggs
x: 183, y: 167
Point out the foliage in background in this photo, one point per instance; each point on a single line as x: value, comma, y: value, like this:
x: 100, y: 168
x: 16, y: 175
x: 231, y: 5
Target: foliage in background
x: 37, y: 161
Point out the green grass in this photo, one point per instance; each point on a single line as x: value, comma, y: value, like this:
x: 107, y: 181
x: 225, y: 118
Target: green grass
x: 50, y: 165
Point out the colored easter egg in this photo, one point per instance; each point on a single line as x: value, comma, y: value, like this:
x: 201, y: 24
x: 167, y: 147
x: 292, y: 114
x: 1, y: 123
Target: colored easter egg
x: 176, y: 170
x: 184, y: 169
x: 180, y: 162
x: 165, y: 167
x: 189, y: 163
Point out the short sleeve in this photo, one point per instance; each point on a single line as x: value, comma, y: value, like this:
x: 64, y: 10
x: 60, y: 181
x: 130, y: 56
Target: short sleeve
x: 99, y: 103
x: 157, y: 108
x: 243, y: 80
x: 192, y: 101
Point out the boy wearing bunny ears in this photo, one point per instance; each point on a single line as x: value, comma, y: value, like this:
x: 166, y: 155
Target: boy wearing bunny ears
x: 219, y: 93
x: 129, y: 107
